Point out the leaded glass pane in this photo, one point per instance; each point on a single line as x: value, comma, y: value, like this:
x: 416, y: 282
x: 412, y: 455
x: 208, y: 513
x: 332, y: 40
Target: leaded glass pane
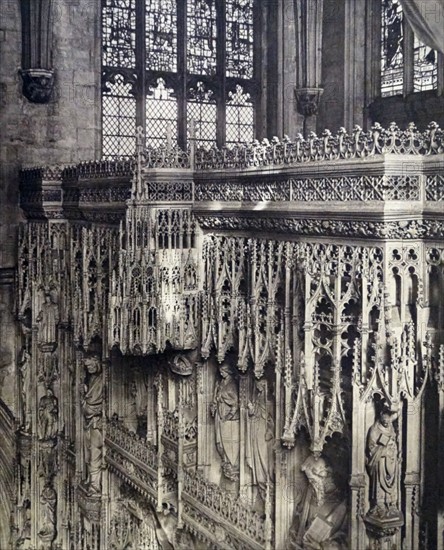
x: 118, y: 119
x: 239, y: 39
x: 161, y: 35
x: 425, y: 75
x: 392, y: 59
x: 202, y: 110
x: 240, y: 117
x: 201, y: 36
x: 161, y: 115
x: 119, y: 33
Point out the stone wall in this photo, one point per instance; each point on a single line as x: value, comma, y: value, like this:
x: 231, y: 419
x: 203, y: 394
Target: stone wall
x: 65, y: 130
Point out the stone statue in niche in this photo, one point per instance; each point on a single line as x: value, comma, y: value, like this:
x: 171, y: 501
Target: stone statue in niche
x: 48, y: 319
x: 48, y: 505
x: 320, y: 522
x: 24, y: 540
x: 25, y: 372
x: 225, y: 410
x: 260, y: 438
x: 48, y: 415
x: 48, y: 369
x: 92, y: 404
x: 383, y: 466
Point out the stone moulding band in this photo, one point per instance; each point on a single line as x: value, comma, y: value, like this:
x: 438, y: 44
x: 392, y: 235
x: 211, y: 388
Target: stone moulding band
x: 401, y: 229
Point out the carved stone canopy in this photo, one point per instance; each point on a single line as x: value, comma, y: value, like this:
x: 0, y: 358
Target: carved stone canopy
x: 38, y: 84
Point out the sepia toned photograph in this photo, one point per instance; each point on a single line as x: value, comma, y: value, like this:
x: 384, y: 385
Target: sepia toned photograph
x: 221, y: 274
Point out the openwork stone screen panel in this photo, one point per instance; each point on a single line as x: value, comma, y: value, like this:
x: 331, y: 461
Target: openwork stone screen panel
x: 172, y: 191
x: 435, y: 188
x: 240, y: 191
x: 364, y: 188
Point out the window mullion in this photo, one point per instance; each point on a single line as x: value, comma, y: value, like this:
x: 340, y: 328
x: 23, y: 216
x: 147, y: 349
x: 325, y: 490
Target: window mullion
x: 221, y: 72
x: 141, y: 66
x: 182, y: 73
x: 440, y: 83
x: 408, y: 59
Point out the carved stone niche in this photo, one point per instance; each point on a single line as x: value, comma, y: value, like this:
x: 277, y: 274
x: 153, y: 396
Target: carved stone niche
x: 384, y: 518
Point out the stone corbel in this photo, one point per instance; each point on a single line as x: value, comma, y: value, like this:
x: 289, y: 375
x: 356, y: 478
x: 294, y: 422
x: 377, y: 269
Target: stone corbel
x: 308, y: 100
x: 37, y: 72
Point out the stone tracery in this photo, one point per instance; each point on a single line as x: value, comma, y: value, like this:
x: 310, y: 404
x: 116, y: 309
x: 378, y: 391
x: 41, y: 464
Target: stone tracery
x: 205, y: 370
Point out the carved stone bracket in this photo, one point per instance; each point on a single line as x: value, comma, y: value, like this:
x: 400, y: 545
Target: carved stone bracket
x: 383, y: 527
x: 38, y: 84
x: 308, y: 100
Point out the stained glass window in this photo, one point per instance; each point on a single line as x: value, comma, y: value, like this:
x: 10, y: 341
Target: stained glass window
x: 167, y: 62
x: 161, y: 35
x: 240, y: 117
x: 201, y: 36
x: 118, y: 119
x: 119, y: 33
x: 239, y: 42
x: 202, y: 110
x: 407, y: 65
x: 161, y: 114
x: 392, y: 58
x: 425, y: 66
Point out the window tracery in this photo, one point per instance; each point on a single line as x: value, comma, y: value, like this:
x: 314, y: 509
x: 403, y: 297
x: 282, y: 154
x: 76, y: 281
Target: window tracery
x: 166, y: 63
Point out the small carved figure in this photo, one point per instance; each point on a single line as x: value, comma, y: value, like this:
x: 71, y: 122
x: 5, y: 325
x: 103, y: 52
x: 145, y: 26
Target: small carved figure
x: 48, y: 504
x: 260, y: 435
x: 48, y: 415
x: 225, y: 410
x: 48, y: 319
x: 382, y: 466
x: 25, y: 371
x: 92, y: 412
x: 320, y: 521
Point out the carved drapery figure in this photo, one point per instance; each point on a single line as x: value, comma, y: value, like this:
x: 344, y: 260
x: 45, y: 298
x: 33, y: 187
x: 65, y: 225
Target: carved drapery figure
x: 260, y: 434
x: 92, y: 411
x: 225, y: 409
x: 382, y: 466
x: 25, y: 371
x: 48, y: 504
x: 321, y: 520
x: 48, y: 415
x: 48, y: 319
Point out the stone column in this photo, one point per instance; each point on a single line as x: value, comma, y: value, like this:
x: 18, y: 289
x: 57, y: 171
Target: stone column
x: 308, y: 26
